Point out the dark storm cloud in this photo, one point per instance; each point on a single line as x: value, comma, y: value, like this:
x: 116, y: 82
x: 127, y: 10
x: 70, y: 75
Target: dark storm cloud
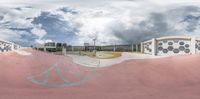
x: 68, y: 10
x: 22, y: 29
x: 154, y: 26
x: 193, y: 22
x: 59, y: 28
x: 19, y: 9
x: 26, y: 37
x: 189, y: 15
x: 159, y: 24
x: 1, y: 18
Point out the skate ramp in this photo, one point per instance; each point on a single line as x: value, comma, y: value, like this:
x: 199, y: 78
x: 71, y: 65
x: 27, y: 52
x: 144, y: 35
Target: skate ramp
x: 174, y: 77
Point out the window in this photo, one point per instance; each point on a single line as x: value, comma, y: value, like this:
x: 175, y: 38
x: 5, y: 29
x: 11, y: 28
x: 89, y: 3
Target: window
x: 187, y: 50
x: 181, y: 48
x: 170, y: 48
x: 196, y: 46
x: 176, y: 50
x: 170, y: 43
x: 160, y: 48
x: 199, y: 48
x: 181, y: 43
x: 187, y: 45
x: 160, y: 43
x: 59, y: 44
x: 165, y: 51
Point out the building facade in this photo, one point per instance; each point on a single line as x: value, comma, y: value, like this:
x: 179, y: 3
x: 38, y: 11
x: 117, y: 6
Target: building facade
x: 171, y: 45
x: 8, y: 46
x: 50, y: 46
x: 54, y: 46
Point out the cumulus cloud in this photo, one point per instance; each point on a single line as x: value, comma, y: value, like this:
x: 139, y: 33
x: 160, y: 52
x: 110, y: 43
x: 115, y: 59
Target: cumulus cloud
x: 41, y: 42
x: 38, y: 31
x: 9, y: 34
x: 58, y: 29
x: 114, y: 25
x: 113, y: 21
x: 15, y: 26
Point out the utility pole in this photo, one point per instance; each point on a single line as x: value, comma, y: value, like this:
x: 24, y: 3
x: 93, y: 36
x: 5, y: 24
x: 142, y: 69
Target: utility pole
x: 132, y: 46
x: 114, y: 47
x: 72, y: 48
x: 94, y: 44
x: 137, y: 48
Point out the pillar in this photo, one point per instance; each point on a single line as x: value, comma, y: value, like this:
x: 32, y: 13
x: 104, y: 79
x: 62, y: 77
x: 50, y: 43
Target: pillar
x: 64, y: 51
x: 132, y: 47
x: 142, y: 47
x: 193, y: 45
x: 136, y: 45
x: 114, y: 48
x: 13, y: 46
x: 45, y: 49
x: 72, y: 48
x: 153, y: 46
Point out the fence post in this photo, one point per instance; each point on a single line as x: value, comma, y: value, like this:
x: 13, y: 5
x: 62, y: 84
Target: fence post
x: 193, y: 45
x: 154, y: 46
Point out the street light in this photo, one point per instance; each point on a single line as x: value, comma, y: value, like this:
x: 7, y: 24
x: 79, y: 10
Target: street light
x: 94, y: 43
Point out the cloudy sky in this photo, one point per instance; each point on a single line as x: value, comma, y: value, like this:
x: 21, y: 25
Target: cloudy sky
x: 29, y: 22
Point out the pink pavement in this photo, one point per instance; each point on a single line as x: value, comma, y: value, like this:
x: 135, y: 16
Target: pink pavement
x: 175, y: 77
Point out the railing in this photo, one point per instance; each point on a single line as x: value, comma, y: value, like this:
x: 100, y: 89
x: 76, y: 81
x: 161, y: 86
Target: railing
x: 7, y: 46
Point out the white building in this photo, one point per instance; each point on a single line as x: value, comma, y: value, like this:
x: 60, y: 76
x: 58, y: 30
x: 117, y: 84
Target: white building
x: 8, y: 46
x: 171, y: 45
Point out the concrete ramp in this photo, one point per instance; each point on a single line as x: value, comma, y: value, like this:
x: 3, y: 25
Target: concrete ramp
x: 174, y: 77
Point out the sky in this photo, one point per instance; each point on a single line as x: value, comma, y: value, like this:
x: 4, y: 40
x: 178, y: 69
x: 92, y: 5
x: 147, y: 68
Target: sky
x: 75, y: 22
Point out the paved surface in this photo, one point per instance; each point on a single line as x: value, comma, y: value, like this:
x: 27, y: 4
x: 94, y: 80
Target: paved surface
x: 85, y: 61
x: 22, y: 52
x: 92, y: 62
x: 163, y: 78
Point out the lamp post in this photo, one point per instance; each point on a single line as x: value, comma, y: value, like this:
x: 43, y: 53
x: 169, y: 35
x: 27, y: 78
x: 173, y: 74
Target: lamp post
x: 94, y: 46
x: 132, y: 46
x: 94, y: 43
x: 114, y: 47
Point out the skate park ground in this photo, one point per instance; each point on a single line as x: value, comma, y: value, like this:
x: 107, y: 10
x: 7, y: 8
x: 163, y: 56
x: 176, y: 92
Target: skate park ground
x: 175, y: 77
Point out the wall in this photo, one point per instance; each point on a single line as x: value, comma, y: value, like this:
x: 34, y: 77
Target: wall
x: 197, y: 46
x: 171, y: 45
x: 7, y: 46
x: 148, y: 46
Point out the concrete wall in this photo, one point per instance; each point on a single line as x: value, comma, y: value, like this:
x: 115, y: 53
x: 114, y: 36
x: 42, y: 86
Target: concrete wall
x: 197, y: 46
x: 8, y: 46
x: 147, y: 47
x: 171, y: 45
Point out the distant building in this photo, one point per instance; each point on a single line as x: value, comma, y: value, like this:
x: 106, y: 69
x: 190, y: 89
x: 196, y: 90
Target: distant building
x: 51, y: 46
x: 171, y: 45
x: 54, y: 46
x: 86, y: 44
